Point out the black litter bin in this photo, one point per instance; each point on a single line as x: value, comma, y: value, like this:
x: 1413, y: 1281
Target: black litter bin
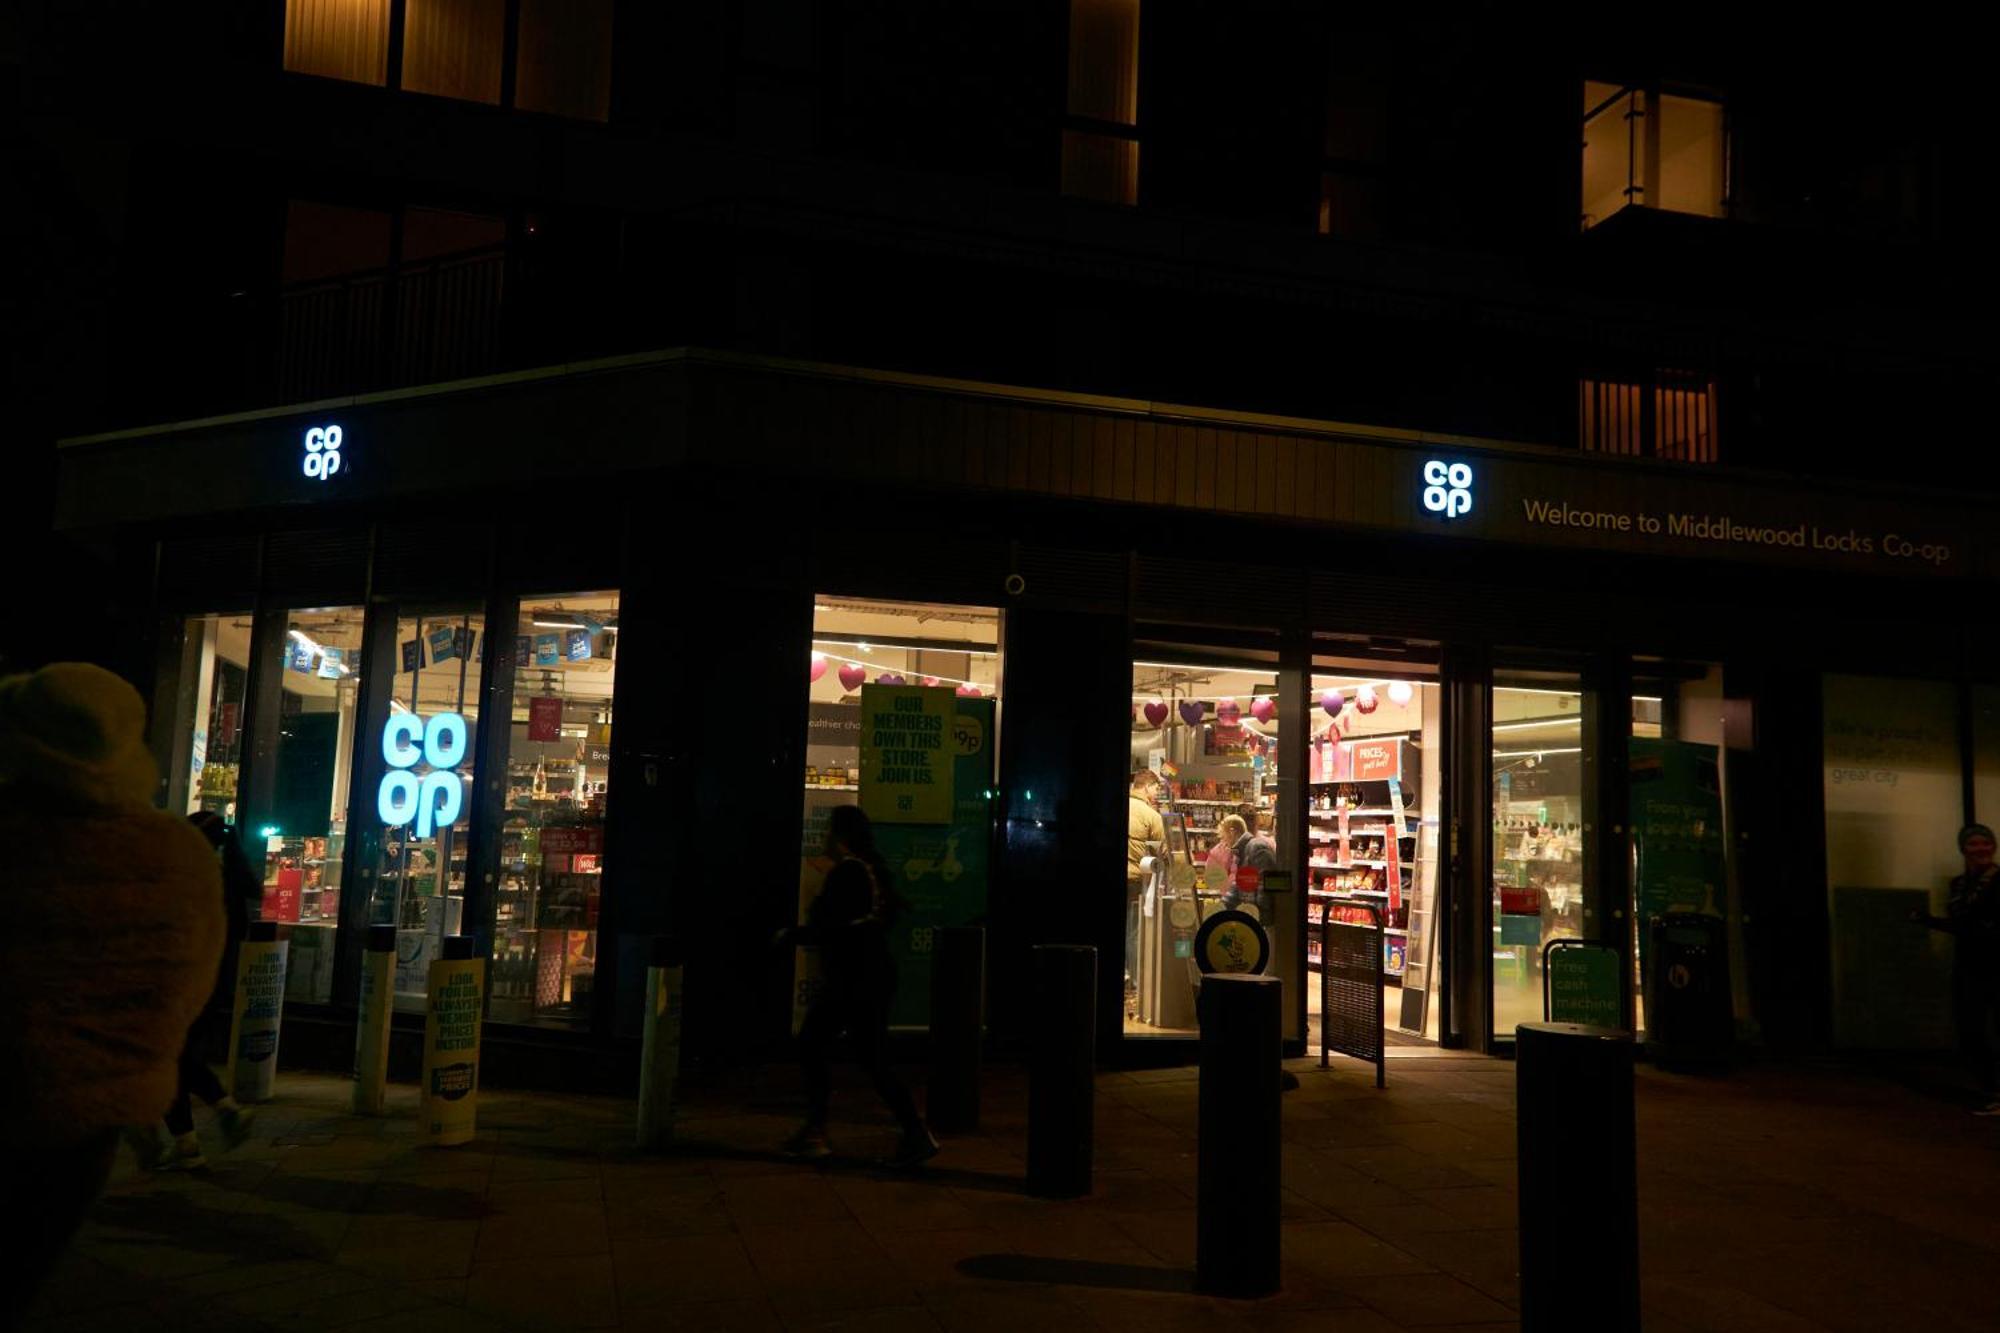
x: 1688, y: 1015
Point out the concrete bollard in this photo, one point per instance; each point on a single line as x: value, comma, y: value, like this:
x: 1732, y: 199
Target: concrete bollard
x: 450, y: 1093
x: 1061, y: 1071
x: 958, y: 990
x: 371, y: 1025
x: 1236, y: 1244
x: 257, y: 1013
x: 1578, y: 1178
x: 660, y: 1053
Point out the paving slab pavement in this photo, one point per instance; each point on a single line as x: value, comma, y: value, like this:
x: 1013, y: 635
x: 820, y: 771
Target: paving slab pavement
x: 1773, y: 1198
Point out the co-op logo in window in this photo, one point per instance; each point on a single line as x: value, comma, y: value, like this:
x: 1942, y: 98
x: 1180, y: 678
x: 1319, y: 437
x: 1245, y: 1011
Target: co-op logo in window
x: 431, y: 801
x: 1447, y: 488
x: 322, y: 458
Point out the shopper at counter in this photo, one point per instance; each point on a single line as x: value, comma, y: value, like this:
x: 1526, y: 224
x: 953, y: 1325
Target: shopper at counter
x: 849, y: 923
x: 115, y: 924
x: 1972, y: 918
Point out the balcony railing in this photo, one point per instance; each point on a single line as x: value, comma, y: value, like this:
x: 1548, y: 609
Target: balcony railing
x: 438, y: 319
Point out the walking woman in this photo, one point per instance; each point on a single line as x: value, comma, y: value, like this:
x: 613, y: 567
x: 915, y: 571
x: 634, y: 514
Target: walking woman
x: 849, y: 922
x: 1972, y: 917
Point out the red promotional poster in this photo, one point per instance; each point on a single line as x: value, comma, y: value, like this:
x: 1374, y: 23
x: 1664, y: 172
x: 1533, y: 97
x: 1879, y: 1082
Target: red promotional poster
x: 1377, y: 761
x: 544, y: 719
x: 1392, y: 851
x: 1249, y: 879
x: 1521, y: 902
x: 587, y: 840
x: 229, y: 714
x: 281, y: 897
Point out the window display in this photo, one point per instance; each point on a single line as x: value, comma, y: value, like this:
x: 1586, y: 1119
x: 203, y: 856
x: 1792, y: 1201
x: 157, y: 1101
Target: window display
x: 1538, y: 835
x: 425, y: 740
x: 304, y: 832
x: 1372, y: 795
x: 202, y: 758
x: 558, y: 764
x: 938, y: 858
x: 1207, y: 829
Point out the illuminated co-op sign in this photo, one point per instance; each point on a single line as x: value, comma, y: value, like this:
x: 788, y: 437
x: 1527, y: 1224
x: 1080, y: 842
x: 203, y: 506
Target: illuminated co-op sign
x: 322, y: 458
x: 1447, y: 488
x: 432, y: 801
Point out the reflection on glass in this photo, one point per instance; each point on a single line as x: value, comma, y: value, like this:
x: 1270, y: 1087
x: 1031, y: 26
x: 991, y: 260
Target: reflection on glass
x: 1537, y: 836
x: 207, y: 740
x: 420, y: 880
x: 552, y: 835
x: 304, y: 833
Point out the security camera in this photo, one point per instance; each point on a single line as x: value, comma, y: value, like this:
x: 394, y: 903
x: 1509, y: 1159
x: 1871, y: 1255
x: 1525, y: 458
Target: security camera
x: 1015, y: 585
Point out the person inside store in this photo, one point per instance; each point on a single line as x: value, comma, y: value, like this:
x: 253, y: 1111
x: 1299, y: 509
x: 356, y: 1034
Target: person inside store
x: 1972, y: 919
x: 1222, y: 856
x: 114, y: 927
x: 849, y: 923
x: 1254, y: 850
x: 1145, y: 835
x: 241, y: 899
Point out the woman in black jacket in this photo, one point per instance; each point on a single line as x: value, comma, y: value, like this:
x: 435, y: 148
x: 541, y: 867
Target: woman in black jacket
x: 1972, y: 917
x: 849, y: 922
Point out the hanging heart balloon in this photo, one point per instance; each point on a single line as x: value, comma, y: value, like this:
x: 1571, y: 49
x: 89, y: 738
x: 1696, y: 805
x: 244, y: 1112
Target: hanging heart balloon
x: 1156, y: 712
x: 890, y: 678
x: 1264, y: 708
x: 851, y: 676
x: 1192, y: 711
x: 818, y: 668
x: 1365, y: 700
x: 1332, y: 702
x: 967, y: 691
x: 931, y: 682
x: 1400, y: 693
x: 1228, y: 713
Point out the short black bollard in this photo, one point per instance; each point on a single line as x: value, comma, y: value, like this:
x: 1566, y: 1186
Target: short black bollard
x: 1061, y: 1071
x: 958, y: 988
x: 1578, y: 1160
x: 1236, y: 1243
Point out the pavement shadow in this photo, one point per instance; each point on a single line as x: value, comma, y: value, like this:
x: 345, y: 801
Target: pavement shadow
x: 928, y: 1174
x: 1077, y: 1273
x: 382, y: 1197
x: 177, y: 1219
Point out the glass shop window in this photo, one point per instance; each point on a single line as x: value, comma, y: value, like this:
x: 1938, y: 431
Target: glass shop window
x: 558, y: 761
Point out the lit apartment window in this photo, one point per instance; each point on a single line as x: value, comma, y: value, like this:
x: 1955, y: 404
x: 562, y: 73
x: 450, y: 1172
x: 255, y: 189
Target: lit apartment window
x: 1672, y: 417
x: 1653, y: 149
x: 457, y: 49
x: 1100, y: 142
x: 338, y: 39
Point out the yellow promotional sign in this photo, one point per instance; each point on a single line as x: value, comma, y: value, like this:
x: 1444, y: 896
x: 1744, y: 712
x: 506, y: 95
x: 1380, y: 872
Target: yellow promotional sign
x: 450, y: 1093
x: 907, y: 754
x: 255, y: 1018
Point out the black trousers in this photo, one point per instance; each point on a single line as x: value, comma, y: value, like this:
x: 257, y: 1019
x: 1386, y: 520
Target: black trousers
x: 57, y: 1186
x: 865, y: 1019
x: 1975, y: 1005
x: 196, y: 1080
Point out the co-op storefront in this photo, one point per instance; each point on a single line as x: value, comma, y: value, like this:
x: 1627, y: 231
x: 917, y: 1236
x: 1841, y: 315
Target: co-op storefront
x: 566, y: 660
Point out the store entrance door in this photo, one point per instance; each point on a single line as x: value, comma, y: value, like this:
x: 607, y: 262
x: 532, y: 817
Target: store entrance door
x: 1374, y: 768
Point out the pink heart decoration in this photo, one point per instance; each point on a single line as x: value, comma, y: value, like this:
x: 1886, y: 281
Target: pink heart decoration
x: 1364, y: 699
x: 968, y: 692
x: 890, y: 678
x: 931, y: 682
x: 1264, y: 709
x: 818, y: 667
x: 1156, y: 712
x: 851, y: 676
x: 1228, y: 713
x: 1400, y: 693
x: 1192, y: 711
x: 1332, y: 702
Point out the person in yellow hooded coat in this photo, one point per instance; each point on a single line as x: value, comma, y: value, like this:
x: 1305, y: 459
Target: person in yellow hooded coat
x: 114, y: 926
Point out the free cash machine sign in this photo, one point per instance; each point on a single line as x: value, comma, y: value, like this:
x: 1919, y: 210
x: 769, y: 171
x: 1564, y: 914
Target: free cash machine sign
x: 906, y: 754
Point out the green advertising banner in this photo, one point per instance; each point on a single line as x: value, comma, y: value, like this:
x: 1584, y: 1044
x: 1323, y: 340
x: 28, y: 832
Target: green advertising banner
x: 940, y: 869
x: 906, y: 753
x: 1584, y: 985
x: 1676, y: 830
